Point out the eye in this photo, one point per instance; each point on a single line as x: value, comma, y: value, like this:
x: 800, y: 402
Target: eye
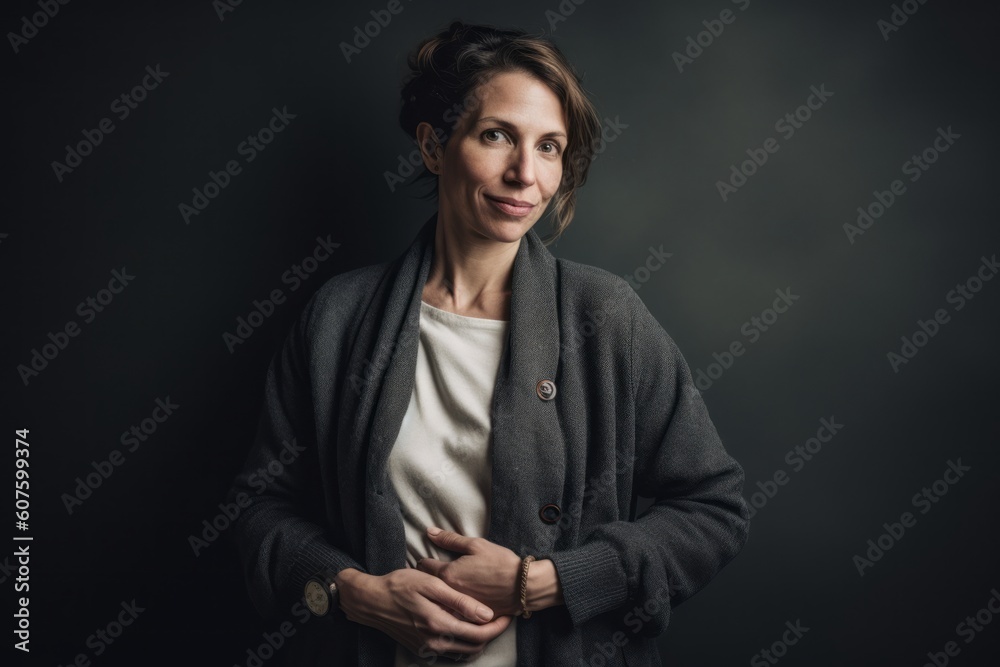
x: 555, y: 148
x: 493, y: 131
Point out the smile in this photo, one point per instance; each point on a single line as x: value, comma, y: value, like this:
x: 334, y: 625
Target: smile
x: 519, y: 209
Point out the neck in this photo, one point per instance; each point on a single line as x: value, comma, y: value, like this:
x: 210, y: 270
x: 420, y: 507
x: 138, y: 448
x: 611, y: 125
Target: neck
x: 469, y: 273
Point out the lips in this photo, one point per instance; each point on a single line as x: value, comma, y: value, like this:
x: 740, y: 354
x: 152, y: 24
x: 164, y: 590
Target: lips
x: 513, y: 202
x: 510, y: 206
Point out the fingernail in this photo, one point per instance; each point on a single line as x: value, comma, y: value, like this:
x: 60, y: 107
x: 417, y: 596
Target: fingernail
x: 433, y: 530
x: 484, y: 613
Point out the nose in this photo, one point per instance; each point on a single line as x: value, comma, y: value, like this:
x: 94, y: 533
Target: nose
x: 522, y: 167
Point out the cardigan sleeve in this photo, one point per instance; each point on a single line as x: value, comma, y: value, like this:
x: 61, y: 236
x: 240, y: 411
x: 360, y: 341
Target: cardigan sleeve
x: 698, y: 521
x: 281, y: 533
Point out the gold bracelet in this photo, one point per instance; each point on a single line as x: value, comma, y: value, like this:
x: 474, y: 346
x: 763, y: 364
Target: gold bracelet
x: 524, y: 586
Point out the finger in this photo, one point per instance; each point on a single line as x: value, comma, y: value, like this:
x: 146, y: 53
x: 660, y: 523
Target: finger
x: 448, y: 645
x: 461, y: 652
x: 431, y: 566
x: 467, y: 637
x: 461, y: 657
x: 466, y: 605
x: 501, y: 622
x: 487, y: 632
x: 450, y: 540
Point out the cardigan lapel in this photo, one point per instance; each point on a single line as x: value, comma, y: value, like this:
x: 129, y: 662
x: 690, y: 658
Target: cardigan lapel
x: 396, y: 311
x: 528, y: 451
x: 529, y: 457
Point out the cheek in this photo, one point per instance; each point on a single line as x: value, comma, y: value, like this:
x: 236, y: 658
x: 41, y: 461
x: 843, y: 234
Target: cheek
x: 482, y: 172
x: 553, y: 174
x: 472, y: 171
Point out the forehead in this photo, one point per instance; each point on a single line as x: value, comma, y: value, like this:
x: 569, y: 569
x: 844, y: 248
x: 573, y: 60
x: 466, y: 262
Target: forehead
x: 521, y: 99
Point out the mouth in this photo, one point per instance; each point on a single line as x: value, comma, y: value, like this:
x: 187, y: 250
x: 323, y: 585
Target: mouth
x: 515, y: 207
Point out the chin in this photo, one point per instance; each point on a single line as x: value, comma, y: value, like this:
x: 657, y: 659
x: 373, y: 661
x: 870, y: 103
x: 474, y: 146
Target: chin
x: 508, y: 230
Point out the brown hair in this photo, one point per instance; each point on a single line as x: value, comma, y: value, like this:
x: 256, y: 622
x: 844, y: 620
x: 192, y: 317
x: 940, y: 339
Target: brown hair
x: 447, y: 70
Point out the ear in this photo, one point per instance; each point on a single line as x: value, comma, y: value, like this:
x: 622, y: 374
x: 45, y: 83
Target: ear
x: 431, y: 150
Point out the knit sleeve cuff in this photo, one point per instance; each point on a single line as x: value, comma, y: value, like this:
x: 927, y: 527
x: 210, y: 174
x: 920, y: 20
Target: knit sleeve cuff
x: 316, y: 556
x: 592, y: 578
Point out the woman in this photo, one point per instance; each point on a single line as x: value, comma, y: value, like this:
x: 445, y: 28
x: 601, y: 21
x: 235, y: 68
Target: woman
x: 481, y: 386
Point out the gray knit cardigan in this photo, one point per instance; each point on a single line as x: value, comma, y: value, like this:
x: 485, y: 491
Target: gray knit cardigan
x: 625, y: 421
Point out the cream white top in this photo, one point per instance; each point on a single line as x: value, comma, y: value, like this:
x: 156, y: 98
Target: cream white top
x: 440, y: 464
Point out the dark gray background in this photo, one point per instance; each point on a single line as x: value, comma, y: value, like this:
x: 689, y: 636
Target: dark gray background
x: 654, y: 185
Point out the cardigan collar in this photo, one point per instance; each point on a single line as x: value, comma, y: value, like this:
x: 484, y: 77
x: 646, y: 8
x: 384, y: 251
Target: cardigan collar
x: 525, y: 426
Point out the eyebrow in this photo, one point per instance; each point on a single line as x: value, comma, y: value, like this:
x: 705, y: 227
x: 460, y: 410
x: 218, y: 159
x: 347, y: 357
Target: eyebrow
x: 509, y: 125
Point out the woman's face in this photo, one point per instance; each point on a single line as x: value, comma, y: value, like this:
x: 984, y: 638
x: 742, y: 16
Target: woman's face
x: 503, y: 163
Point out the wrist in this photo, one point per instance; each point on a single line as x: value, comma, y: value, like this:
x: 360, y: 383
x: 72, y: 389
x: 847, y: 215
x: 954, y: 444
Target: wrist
x: 347, y: 576
x: 350, y: 582
x: 544, y: 589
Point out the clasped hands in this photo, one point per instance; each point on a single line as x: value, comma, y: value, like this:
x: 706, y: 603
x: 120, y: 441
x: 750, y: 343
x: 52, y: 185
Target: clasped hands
x: 486, y: 571
x: 456, y: 611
